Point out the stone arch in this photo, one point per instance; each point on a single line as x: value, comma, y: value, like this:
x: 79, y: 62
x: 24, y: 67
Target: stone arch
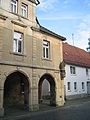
x: 16, y: 90
x: 51, y: 80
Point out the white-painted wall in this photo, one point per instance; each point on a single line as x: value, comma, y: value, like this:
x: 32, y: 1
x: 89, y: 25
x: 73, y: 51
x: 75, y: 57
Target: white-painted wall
x: 79, y: 77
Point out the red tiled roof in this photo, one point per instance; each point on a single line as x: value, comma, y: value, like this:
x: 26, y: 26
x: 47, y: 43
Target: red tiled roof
x: 76, y: 56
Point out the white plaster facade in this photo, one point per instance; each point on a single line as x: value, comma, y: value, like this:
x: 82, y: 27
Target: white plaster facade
x: 77, y: 68
x: 80, y: 77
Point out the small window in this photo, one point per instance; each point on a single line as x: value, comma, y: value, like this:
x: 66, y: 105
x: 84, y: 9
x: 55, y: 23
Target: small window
x: 14, y: 6
x: 72, y: 70
x: 75, y: 86
x: 24, y: 10
x: 17, y: 42
x: 83, y: 86
x: 68, y: 86
x: 46, y: 49
x: 87, y: 72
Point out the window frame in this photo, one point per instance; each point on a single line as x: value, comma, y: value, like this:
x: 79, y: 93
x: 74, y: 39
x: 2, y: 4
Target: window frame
x: 73, y: 70
x: 46, y: 49
x: 83, y: 86
x: 24, y: 10
x: 87, y: 72
x: 18, y: 42
x: 75, y: 86
x: 13, y: 5
x: 69, y: 86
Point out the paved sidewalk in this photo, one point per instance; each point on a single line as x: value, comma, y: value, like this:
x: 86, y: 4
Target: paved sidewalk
x: 16, y: 114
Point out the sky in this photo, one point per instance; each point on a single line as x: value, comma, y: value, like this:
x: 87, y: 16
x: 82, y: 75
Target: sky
x: 68, y: 18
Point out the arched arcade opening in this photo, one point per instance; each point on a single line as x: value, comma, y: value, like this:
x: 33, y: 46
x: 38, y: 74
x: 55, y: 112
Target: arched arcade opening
x: 46, y: 90
x: 16, y: 91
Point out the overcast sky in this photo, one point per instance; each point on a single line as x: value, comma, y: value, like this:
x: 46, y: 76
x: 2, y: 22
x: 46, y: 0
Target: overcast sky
x: 69, y: 18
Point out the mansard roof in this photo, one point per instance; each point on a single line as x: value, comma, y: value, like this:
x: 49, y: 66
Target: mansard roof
x: 75, y: 56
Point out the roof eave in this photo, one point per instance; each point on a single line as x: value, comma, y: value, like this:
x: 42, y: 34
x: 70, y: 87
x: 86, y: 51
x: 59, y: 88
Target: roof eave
x: 80, y: 65
x: 45, y: 30
x: 35, y: 1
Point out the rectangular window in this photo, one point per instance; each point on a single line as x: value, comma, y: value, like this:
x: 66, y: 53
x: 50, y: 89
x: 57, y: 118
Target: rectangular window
x: 14, y: 6
x: 68, y: 86
x: 72, y: 70
x: 75, y: 86
x: 83, y: 86
x: 46, y: 49
x: 18, y: 42
x: 24, y: 10
x: 87, y: 72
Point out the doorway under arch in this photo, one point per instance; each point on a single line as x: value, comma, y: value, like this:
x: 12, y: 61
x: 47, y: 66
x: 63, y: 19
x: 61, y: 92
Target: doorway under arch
x: 16, y: 91
x: 51, y: 96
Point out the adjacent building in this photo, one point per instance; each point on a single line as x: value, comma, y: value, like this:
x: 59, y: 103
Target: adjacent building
x: 29, y: 54
x: 77, y: 67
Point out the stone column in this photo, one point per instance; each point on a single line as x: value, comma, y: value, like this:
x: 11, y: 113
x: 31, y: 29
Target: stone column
x: 60, y: 92
x: 33, y: 97
x: 1, y: 103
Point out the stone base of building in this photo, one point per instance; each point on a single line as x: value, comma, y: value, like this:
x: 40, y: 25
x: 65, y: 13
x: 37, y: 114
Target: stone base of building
x: 60, y: 103
x: 1, y: 112
x: 70, y: 97
x: 34, y: 107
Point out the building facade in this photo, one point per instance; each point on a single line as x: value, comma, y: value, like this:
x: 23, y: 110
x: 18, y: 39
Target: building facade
x: 29, y: 54
x: 77, y: 67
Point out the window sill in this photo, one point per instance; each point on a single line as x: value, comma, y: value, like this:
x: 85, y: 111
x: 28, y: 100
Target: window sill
x: 73, y: 74
x: 75, y: 90
x: 47, y: 59
x: 14, y: 13
x: 69, y: 90
x: 24, y: 17
x: 20, y: 15
x: 19, y: 54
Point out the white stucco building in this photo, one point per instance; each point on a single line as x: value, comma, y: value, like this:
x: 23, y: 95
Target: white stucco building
x: 77, y: 67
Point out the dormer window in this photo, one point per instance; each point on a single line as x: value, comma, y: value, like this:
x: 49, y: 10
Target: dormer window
x: 14, y: 6
x: 24, y: 10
